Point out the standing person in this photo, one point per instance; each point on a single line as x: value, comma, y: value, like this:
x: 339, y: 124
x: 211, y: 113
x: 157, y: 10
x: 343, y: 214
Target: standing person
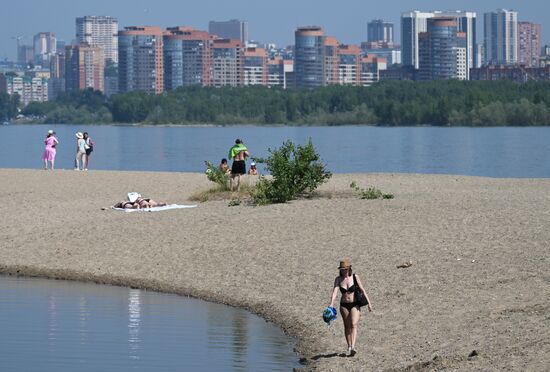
x: 238, y: 153
x: 89, y: 148
x: 49, y: 152
x: 348, y: 283
x: 80, y: 151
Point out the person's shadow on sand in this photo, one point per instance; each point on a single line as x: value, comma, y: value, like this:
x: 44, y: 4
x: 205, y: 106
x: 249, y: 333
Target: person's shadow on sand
x: 332, y: 355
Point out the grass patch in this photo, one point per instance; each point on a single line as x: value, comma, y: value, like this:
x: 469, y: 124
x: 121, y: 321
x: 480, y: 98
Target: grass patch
x: 371, y: 193
x: 220, y: 193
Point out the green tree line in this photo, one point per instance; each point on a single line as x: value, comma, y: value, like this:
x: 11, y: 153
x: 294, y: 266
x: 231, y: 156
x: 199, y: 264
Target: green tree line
x: 8, y: 106
x: 391, y: 103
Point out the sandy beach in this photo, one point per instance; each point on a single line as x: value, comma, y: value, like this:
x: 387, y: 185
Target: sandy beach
x: 479, y: 247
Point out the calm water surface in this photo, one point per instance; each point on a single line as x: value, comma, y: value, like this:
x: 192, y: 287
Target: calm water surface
x: 48, y: 325
x: 492, y: 152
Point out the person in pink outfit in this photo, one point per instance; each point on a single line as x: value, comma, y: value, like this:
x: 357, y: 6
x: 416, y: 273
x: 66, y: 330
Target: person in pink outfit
x: 49, y: 152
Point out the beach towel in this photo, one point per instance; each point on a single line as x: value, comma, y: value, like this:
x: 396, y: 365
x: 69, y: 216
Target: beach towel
x: 157, y: 209
x: 233, y: 151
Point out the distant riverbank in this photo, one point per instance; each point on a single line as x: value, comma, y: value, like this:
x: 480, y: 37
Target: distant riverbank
x: 391, y: 103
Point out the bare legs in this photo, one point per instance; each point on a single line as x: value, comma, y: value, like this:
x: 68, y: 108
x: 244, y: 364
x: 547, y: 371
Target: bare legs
x: 52, y: 162
x: 232, y: 180
x: 80, y: 156
x: 87, y: 163
x: 350, y: 319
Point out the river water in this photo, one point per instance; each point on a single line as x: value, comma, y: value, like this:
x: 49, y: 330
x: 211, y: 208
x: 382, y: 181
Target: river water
x: 491, y: 152
x: 52, y: 325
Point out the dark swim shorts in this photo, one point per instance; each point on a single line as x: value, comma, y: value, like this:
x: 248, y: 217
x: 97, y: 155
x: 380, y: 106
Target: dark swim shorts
x: 238, y: 167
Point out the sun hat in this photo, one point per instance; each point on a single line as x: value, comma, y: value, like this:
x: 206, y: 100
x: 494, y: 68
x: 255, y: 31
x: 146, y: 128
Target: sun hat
x: 79, y: 135
x: 132, y: 196
x: 344, y: 264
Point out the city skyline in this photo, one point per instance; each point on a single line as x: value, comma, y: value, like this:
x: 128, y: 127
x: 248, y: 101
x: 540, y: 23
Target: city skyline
x: 278, y: 26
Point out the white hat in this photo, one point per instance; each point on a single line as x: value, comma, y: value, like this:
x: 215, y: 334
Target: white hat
x: 79, y: 135
x: 252, y: 164
x: 132, y: 196
x: 50, y: 131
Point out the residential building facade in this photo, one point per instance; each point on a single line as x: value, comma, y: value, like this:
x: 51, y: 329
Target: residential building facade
x: 25, y: 54
x: 349, y: 65
x: 309, y: 57
x: 380, y: 31
x: 389, y: 51
x: 99, y: 31
x: 232, y: 29
x: 442, y: 50
x: 529, y: 44
x: 228, y: 63
x: 255, y: 66
x: 280, y: 72
x: 187, y: 57
x: 30, y: 89
x: 412, y: 24
x: 371, y: 68
x: 516, y: 73
x: 84, y: 67
x: 501, y: 37
x: 331, y: 60
x: 44, y: 46
x: 141, y: 59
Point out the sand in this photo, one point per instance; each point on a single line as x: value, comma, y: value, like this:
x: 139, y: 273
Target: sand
x: 479, y: 247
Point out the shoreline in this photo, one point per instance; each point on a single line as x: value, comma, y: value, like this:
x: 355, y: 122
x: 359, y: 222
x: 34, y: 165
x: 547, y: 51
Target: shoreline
x: 495, y: 226
x: 282, y: 125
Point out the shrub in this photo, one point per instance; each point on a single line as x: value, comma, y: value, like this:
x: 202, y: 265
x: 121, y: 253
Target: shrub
x: 218, y: 176
x: 296, y: 170
x: 371, y: 193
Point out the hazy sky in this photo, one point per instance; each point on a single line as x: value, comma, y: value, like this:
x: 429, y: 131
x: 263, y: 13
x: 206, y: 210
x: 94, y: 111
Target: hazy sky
x: 269, y: 21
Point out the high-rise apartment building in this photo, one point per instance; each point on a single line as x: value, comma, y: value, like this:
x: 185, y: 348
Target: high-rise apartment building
x: 141, y: 59
x: 279, y: 72
x: 232, y: 29
x: 309, y: 57
x: 331, y: 61
x: 255, y: 66
x: 370, y: 69
x: 412, y: 23
x: 57, y: 65
x: 25, y: 54
x: 390, y: 52
x: 84, y: 67
x: 378, y: 30
x: 415, y: 22
x: 187, y: 57
x: 228, y: 62
x: 99, y: 31
x: 44, y: 45
x: 501, y: 37
x: 480, y: 61
x: 529, y: 44
x: 30, y: 89
x: 349, y: 65
x: 442, y: 50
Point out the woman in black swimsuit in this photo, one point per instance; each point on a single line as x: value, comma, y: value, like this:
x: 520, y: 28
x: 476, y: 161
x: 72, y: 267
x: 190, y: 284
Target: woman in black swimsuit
x: 347, y: 283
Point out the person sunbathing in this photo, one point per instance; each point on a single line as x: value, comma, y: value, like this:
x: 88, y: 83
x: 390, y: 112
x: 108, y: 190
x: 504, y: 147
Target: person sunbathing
x: 148, y: 203
x: 135, y: 201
